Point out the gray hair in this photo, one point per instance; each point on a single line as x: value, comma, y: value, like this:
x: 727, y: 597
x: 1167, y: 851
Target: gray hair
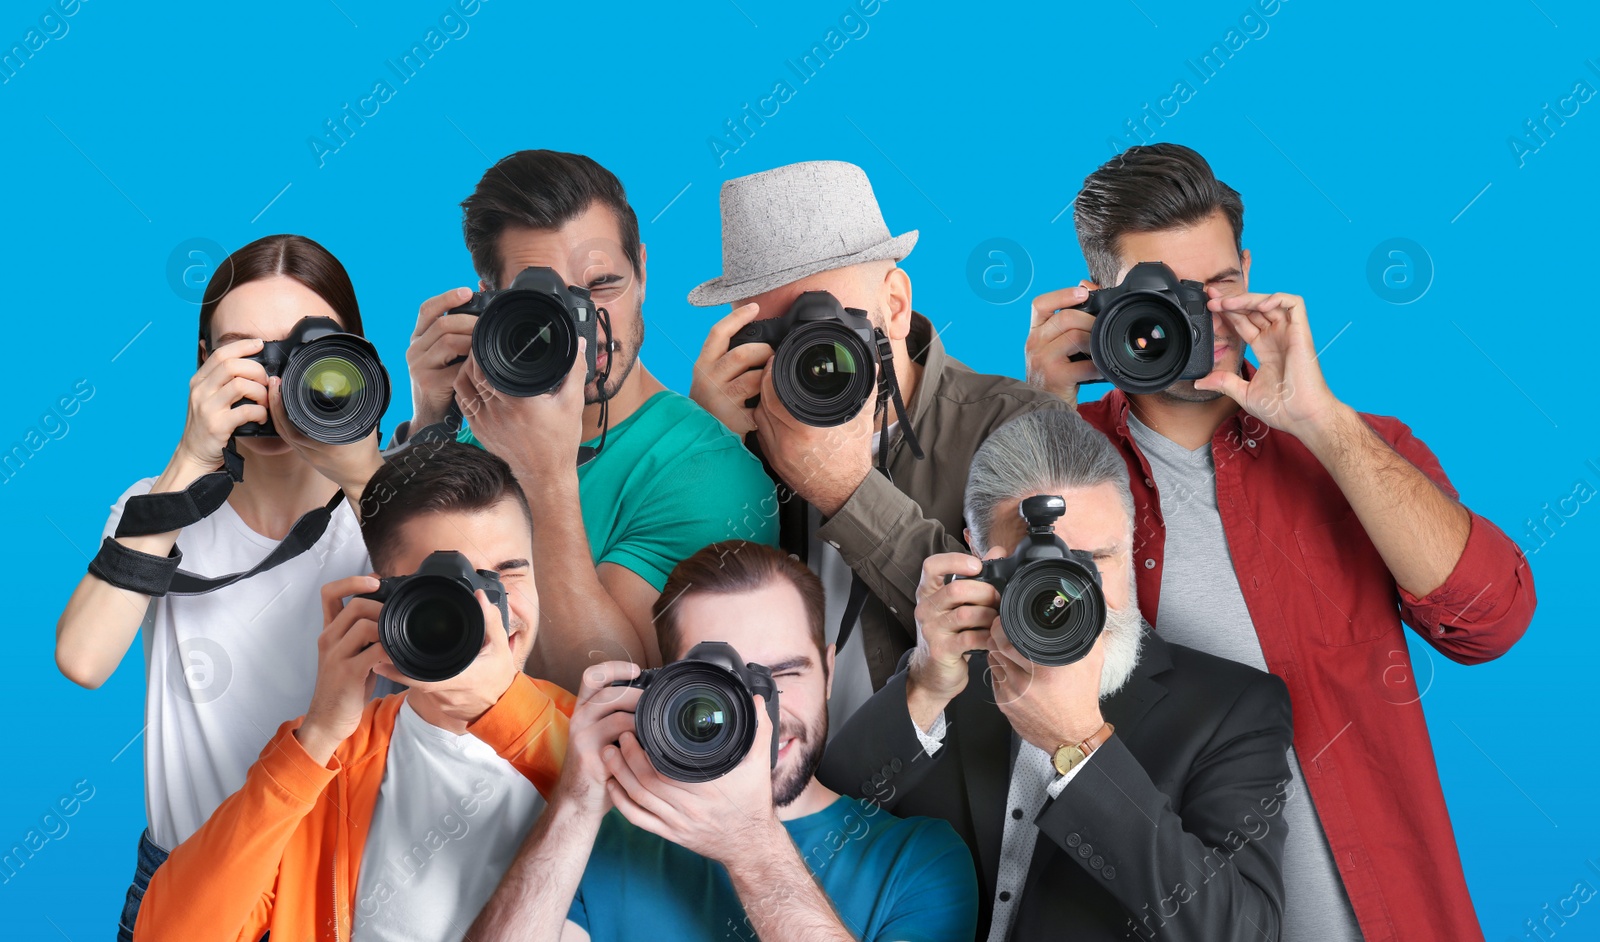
x: 1046, y: 451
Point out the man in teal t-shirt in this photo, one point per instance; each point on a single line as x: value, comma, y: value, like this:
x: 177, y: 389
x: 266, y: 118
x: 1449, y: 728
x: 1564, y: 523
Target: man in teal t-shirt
x: 668, y: 479
x: 765, y: 851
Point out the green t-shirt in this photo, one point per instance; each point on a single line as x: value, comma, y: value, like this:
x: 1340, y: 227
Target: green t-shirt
x: 670, y: 481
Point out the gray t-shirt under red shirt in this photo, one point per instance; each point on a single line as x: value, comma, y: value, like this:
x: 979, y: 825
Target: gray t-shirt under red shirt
x: 1201, y: 607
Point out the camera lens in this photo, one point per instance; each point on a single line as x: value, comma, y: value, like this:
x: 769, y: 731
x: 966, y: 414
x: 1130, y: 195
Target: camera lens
x: 702, y: 718
x: 1053, y: 611
x: 335, y: 389
x: 1146, y: 340
x: 695, y: 721
x: 1142, y: 342
x: 823, y: 372
x: 431, y: 628
x: 524, y: 343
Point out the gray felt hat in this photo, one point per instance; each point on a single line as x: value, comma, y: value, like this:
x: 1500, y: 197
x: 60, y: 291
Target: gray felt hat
x: 781, y: 225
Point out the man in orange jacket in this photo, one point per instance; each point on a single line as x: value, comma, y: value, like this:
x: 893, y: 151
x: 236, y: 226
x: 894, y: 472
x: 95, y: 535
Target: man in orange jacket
x: 397, y: 816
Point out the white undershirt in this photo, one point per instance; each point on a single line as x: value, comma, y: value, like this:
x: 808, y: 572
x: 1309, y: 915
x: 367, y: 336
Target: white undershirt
x: 449, y: 819
x: 223, y: 670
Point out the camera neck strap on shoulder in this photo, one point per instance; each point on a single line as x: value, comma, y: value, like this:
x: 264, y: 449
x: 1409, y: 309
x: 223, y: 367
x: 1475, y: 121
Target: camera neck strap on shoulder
x: 149, y: 514
x: 888, y: 393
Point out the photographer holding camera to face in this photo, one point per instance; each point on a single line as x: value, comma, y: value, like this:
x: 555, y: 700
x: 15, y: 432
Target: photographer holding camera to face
x: 1110, y: 785
x: 280, y: 439
x: 825, y: 363
x: 625, y: 478
x: 1278, y: 527
x: 719, y: 825
x: 392, y: 818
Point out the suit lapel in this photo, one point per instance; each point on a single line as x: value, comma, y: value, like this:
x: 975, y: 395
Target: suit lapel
x: 986, y: 744
x: 1127, y: 707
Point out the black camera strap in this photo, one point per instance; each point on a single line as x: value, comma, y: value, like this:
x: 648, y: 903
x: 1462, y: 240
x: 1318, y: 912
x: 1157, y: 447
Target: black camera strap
x: 888, y: 392
x: 585, y: 453
x: 149, y: 514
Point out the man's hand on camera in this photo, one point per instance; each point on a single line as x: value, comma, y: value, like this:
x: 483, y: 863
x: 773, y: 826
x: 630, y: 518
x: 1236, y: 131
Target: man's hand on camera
x: 724, y: 380
x: 222, y: 380
x: 602, y: 715
x: 434, y: 357
x: 349, y: 466
x: 1287, y: 391
x: 471, y: 693
x: 536, y: 435
x: 723, y: 820
x: 953, y: 620
x: 823, y: 465
x: 1047, y: 706
x: 348, y: 658
x: 1056, y: 331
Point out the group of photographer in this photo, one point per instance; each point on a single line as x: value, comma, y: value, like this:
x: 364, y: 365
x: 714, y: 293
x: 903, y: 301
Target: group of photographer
x: 851, y: 641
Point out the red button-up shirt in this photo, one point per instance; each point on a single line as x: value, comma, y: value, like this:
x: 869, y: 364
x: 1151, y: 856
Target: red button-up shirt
x: 1328, y: 614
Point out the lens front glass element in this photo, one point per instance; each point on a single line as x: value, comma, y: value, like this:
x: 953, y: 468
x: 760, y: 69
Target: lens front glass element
x: 335, y: 389
x: 695, y: 721
x: 1146, y: 340
x: 700, y: 718
x: 827, y: 368
x: 524, y: 343
x: 1052, y: 611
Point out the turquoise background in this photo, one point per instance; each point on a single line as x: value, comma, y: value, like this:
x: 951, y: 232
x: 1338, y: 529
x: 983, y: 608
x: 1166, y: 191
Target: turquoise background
x: 133, y: 132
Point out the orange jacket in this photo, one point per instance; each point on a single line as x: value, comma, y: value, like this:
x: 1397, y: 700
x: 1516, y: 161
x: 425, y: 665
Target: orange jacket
x: 283, y: 852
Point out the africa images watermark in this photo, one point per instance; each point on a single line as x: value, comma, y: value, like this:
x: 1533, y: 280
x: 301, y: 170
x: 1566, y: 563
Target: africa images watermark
x: 53, y: 27
x: 738, y: 130
x: 338, y: 130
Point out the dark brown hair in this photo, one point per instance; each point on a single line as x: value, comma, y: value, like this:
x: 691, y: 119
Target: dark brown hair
x: 292, y: 256
x: 540, y: 189
x: 1148, y: 188
x: 730, y: 567
x: 432, y: 478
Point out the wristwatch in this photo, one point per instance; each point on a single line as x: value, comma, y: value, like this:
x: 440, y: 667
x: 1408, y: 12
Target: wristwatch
x: 1070, y: 755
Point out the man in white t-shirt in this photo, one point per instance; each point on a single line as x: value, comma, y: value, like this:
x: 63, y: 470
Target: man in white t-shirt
x: 392, y: 818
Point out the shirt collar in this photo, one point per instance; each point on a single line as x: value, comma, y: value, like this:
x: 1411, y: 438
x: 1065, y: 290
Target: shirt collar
x: 1240, y: 432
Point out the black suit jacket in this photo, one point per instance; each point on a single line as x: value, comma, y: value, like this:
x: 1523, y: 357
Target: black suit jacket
x: 1173, y: 830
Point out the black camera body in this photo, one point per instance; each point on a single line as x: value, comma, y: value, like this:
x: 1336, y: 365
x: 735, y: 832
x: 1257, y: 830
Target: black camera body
x: 1051, y: 603
x: 696, y: 718
x: 335, y: 389
x: 824, y: 361
x: 431, y: 625
x: 527, y: 332
x: 1151, y: 331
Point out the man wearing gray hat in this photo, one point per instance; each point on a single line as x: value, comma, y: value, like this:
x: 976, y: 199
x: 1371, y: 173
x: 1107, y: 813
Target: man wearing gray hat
x: 816, y: 227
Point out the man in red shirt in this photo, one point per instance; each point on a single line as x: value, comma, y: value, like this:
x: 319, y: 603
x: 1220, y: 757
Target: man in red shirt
x: 1279, y: 527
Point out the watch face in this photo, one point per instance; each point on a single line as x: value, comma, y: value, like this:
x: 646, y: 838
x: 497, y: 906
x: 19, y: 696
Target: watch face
x: 1067, y: 758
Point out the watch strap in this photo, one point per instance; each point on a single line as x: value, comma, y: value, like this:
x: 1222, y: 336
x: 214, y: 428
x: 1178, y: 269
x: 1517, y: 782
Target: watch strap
x: 1070, y: 755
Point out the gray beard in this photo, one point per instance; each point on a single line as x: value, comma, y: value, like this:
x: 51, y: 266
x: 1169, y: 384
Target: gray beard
x: 1122, y: 637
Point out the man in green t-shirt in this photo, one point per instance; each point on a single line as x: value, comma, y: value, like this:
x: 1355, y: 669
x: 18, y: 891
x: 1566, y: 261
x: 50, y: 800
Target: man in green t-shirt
x: 668, y: 478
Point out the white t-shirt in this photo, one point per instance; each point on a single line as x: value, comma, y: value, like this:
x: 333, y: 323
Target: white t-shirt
x: 450, y: 817
x: 223, y: 670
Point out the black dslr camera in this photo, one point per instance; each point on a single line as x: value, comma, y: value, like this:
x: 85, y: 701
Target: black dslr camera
x: 335, y: 388
x: 1051, y: 605
x: 825, y: 358
x: 431, y: 625
x: 1150, y: 331
x: 527, y: 332
x: 696, y: 719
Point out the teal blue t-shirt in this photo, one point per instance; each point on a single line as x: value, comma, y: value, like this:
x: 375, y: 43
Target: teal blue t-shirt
x: 670, y: 480
x: 889, y: 878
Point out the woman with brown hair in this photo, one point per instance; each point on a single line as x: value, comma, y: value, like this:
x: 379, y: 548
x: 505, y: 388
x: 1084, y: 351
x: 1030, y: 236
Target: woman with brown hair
x: 225, y: 668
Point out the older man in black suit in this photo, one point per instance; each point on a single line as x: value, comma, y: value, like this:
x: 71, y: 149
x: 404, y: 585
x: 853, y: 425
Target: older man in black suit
x: 1135, y: 793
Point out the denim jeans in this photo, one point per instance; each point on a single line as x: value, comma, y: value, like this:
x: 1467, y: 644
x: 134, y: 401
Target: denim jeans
x: 150, y: 857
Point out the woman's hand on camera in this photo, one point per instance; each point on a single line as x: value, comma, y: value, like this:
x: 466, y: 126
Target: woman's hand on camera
x: 222, y: 380
x: 349, y: 466
x: 723, y: 379
x: 602, y: 715
x: 348, y: 655
x: 1056, y: 331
